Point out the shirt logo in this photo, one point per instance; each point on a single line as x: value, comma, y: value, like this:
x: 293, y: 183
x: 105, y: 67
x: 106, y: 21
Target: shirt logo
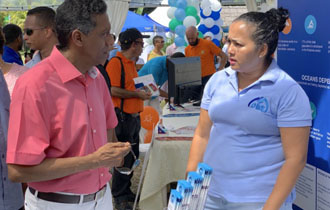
x: 260, y: 104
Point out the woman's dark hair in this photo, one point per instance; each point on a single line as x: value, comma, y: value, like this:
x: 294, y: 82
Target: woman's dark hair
x: 76, y: 14
x: 268, y: 25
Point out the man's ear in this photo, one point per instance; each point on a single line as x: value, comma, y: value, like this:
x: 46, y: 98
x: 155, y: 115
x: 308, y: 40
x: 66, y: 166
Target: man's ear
x: 49, y: 32
x: 77, y: 38
x: 263, y: 50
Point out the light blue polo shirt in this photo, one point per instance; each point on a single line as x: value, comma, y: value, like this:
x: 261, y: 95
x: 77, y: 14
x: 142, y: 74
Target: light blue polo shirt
x: 245, y: 147
x: 156, y: 67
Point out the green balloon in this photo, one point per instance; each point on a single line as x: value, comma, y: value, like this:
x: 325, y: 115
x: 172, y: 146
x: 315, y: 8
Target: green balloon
x: 174, y: 23
x: 198, y: 19
x: 191, y: 11
x: 200, y: 34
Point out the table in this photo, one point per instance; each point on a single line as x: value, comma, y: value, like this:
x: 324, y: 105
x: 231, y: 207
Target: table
x: 168, y: 156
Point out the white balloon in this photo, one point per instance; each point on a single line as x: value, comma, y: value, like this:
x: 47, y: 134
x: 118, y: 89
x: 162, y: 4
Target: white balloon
x: 216, y: 6
x: 209, y: 22
x: 207, y: 11
x: 190, y: 2
x: 170, y: 12
x: 210, y: 34
x: 189, y: 21
x: 205, y: 4
x: 218, y: 36
x: 218, y: 22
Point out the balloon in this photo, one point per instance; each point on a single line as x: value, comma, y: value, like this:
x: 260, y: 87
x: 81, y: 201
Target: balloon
x: 170, y: 12
x: 219, y: 22
x: 218, y: 36
x: 216, y: 6
x: 174, y: 23
x: 147, y: 137
x: 189, y: 21
x: 209, y: 22
x: 216, y: 42
x: 215, y: 29
x: 202, y: 28
x: 181, y: 4
x: 172, y: 3
x: 191, y: 11
x: 200, y: 34
x: 180, y: 30
x: 149, y: 118
x: 207, y: 11
x: 198, y: 19
x: 205, y: 4
x: 215, y: 15
x: 180, y: 14
x: 179, y: 41
x: 210, y: 34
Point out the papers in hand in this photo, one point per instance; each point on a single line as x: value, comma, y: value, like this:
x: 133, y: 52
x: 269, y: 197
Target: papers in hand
x: 147, y: 83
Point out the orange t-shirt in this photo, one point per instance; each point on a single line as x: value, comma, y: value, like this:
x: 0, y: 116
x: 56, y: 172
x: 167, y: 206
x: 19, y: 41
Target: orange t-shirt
x: 131, y: 105
x: 206, y: 50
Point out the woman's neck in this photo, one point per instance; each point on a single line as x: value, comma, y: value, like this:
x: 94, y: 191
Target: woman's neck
x: 247, y: 78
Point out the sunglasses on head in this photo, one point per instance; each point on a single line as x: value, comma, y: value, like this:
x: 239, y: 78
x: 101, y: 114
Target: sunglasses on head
x: 29, y: 31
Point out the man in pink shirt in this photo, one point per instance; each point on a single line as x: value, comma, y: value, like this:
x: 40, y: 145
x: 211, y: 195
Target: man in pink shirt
x: 62, y: 117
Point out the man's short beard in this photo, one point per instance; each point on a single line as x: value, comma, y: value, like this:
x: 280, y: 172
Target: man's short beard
x: 195, y: 43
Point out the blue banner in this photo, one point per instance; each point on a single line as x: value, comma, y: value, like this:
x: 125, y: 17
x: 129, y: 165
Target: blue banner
x: 304, y: 52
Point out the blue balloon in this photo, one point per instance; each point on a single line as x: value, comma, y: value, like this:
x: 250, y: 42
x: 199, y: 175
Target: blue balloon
x: 181, y: 4
x: 202, y: 28
x: 202, y: 14
x: 215, y: 15
x: 179, y: 14
x: 179, y: 41
x: 172, y: 3
x: 215, y: 29
x: 216, y: 42
x: 180, y: 30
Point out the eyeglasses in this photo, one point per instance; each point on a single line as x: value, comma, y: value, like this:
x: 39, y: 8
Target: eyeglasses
x: 29, y: 31
x: 161, y: 41
x: 126, y: 170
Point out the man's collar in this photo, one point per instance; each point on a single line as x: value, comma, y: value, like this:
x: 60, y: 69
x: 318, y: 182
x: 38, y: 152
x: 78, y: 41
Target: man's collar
x: 65, y: 69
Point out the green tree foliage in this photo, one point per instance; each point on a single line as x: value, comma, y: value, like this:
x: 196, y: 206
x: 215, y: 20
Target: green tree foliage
x: 20, y: 6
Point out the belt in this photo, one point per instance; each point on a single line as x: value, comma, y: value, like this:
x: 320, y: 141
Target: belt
x: 62, y: 198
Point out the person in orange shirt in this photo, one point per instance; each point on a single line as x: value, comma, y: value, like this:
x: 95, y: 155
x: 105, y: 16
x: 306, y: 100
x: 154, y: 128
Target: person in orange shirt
x: 128, y: 104
x: 206, y: 50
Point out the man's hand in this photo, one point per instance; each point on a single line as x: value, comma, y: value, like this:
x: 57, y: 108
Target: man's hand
x: 111, y: 154
x: 144, y: 95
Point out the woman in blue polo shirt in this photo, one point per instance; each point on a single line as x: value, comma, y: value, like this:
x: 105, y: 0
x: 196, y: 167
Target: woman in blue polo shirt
x: 254, y: 123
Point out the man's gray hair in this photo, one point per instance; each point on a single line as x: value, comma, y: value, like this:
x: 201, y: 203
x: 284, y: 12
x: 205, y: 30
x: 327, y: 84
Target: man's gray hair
x: 76, y: 14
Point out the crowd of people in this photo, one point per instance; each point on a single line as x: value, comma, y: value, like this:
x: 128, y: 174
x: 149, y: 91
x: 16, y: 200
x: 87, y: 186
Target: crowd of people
x: 73, y: 127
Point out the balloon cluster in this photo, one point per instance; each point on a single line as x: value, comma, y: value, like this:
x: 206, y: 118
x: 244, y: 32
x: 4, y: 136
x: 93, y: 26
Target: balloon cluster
x: 211, y: 21
x: 183, y: 14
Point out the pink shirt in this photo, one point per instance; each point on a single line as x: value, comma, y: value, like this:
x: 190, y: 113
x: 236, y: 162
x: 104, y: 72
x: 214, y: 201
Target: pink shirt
x: 13, y: 74
x: 57, y: 112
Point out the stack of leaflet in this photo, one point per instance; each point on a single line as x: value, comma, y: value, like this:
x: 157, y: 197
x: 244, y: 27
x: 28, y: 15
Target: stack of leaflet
x: 206, y: 172
x: 196, y: 181
x: 175, y: 201
x: 191, y: 194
